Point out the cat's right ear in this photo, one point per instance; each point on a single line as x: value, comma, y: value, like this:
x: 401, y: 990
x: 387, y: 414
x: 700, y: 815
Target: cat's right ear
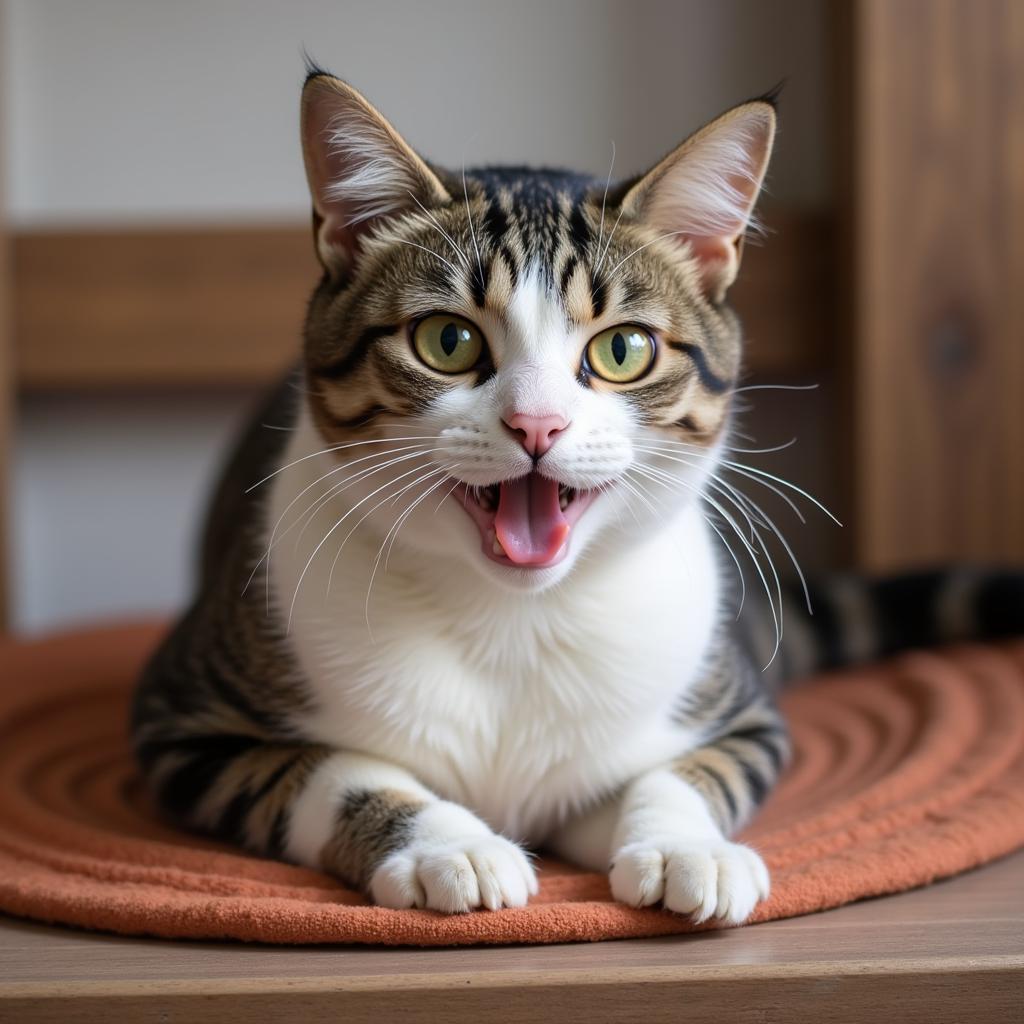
x: 358, y: 167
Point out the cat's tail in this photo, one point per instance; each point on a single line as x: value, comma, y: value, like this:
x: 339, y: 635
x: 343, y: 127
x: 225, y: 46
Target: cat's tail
x: 858, y: 618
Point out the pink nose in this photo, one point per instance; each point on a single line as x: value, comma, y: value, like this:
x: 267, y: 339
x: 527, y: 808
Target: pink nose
x: 536, y: 433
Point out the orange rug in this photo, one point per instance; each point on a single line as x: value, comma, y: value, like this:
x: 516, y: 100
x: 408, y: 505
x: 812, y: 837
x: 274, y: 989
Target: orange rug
x: 904, y: 773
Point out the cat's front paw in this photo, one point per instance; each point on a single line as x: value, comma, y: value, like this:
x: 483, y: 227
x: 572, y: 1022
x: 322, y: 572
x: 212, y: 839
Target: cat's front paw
x: 455, y: 876
x: 702, y: 878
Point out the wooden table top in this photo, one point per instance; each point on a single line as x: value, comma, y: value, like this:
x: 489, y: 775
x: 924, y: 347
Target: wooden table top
x: 951, y: 952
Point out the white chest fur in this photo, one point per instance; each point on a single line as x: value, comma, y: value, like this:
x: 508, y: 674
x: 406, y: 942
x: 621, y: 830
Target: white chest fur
x: 521, y: 706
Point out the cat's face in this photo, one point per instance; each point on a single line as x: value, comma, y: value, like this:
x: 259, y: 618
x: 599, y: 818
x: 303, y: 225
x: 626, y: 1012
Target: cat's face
x: 525, y: 371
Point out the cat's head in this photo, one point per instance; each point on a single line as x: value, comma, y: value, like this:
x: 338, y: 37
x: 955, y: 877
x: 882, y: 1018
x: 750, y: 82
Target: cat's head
x: 534, y: 366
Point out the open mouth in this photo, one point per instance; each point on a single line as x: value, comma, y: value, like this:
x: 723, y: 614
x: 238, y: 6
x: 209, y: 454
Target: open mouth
x: 524, y: 522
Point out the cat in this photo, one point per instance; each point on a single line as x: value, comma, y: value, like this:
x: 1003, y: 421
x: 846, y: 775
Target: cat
x: 475, y: 600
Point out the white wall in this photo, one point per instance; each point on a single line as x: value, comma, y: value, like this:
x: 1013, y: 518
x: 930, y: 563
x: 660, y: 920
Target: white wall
x: 126, y: 111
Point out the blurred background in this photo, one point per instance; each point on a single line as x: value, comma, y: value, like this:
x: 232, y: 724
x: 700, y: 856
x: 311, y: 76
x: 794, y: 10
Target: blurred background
x: 155, y: 257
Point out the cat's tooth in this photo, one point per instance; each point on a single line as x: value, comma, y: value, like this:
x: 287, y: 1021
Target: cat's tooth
x: 496, y: 546
x: 563, y: 500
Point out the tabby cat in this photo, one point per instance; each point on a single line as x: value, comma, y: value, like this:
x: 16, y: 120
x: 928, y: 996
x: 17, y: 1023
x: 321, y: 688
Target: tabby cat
x: 473, y: 600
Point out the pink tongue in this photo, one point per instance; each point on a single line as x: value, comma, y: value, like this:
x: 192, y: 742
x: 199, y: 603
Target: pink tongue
x: 529, y: 523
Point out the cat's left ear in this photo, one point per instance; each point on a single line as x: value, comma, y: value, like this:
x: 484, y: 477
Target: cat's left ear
x: 359, y: 169
x: 703, y: 193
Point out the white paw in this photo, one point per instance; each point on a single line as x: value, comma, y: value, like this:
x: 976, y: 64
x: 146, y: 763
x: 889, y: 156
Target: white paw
x: 703, y: 878
x: 455, y: 876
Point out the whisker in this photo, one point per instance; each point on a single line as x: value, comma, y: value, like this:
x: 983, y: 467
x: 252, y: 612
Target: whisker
x: 777, y: 387
x: 416, y: 245
x: 403, y: 518
x: 629, y: 486
x: 367, y: 514
x: 361, y: 475
x: 604, y: 199
x: 674, y: 457
x: 393, y: 533
x: 337, y: 469
x: 778, y: 533
x: 441, y: 502
x: 746, y: 470
x: 329, y: 533
x: 472, y: 230
x: 700, y: 450
x: 670, y: 483
x: 608, y: 244
x: 437, y: 224
x: 341, y: 447
x: 640, y: 248
x: 752, y: 552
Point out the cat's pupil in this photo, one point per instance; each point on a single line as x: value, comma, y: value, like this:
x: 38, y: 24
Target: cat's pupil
x: 619, y: 348
x: 449, y: 338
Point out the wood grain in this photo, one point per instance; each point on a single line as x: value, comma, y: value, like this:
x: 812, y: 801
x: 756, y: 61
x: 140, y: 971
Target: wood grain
x: 223, y: 306
x: 6, y: 373
x: 950, y: 952
x: 167, y: 307
x: 937, y: 349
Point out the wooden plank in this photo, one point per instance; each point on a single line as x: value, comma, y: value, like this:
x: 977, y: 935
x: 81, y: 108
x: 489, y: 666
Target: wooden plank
x: 937, y: 348
x: 223, y: 306
x: 6, y: 379
x: 163, y: 307
x: 949, y: 952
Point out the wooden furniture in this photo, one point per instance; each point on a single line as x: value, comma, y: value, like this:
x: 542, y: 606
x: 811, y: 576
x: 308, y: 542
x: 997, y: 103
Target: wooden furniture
x: 6, y: 374
x: 950, y: 953
x: 934, y: 303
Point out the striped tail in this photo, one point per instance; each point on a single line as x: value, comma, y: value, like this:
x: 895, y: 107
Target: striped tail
x: 857, y: 618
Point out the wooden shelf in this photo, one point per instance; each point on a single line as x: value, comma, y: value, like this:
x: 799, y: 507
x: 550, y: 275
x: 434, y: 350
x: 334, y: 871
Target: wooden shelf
x: 947, y: 953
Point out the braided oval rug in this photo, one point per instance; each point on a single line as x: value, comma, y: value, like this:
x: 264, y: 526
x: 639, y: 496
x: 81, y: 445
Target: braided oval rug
x: 904, y: 772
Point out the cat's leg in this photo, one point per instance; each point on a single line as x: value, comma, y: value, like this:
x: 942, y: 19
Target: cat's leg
x: 374, y: 823
x: 370, y: 823
x: 665, y: 835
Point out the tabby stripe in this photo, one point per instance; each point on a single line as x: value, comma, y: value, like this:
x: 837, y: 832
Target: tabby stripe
x: 478, y: 279
x: 719, y: 784
x: 757, y: 785
x: 232, y: 695
x: 579, y: 229
x: 567, y: 271
x: 768, y: 738
x: 183, y: 789
x: 360, y: 419
x: 234, y: 818
x: 355, y: 356
x: 711, y: 381
x: 370, y: 825
x: 510, y: 261
x: 599, y: 294
x: 495, y: 222
x: 1000, y: 605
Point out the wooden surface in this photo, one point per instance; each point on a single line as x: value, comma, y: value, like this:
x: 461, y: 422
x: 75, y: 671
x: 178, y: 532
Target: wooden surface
x: 937, y: 350
x: 6, y: 377
x: 224, y: 306
x: 951, y: 952
x: 169, y: 307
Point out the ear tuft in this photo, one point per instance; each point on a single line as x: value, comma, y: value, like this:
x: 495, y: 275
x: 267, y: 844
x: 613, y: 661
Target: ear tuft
x: 358, y: 167
x: 704, y: 192
x: 371, y: 179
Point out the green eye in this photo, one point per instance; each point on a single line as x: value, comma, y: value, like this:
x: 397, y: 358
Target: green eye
x: 448, y: 344
x: 621, y: 354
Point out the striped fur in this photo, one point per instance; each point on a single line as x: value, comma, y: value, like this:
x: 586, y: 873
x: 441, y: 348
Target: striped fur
x: 358, y: 688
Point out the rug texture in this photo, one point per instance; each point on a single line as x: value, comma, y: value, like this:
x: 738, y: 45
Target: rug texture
x: 904, y: 772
